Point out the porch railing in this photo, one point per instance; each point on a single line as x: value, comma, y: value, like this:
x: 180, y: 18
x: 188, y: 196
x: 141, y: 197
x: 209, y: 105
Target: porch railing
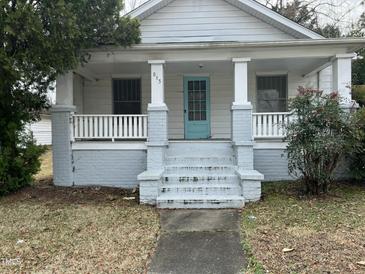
x: 109, y: 127
x: 270, y: 125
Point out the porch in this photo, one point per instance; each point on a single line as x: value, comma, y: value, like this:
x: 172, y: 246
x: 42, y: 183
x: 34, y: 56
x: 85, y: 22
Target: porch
x: 198, y: 130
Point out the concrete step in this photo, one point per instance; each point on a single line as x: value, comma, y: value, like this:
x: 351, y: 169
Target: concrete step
x: 202, y: 178
x: 200, y: 189
x: 204, y: 169
x: 199, y: 201
x: 200, y: 161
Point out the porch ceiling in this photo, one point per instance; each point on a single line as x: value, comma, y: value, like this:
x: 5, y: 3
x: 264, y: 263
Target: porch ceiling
x: 300, y: 66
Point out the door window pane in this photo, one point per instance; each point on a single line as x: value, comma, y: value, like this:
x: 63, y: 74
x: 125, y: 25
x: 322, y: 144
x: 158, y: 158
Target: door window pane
x: 197, y: 100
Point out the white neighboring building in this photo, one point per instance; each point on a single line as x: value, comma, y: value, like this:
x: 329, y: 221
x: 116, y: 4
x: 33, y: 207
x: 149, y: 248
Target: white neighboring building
x: 42, y: 130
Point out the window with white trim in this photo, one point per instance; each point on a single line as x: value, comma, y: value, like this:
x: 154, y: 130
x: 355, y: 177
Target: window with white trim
x: 272, y: 93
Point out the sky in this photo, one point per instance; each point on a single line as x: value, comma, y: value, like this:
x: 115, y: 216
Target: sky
x: 348, y: 11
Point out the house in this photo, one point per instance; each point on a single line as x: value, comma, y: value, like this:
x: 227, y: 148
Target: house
x: 194, y: 114
x: 42, y: 130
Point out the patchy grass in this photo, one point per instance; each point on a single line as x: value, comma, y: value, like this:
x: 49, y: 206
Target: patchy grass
x: 45, y: 174
x: 47, y: 229
x: 327, y: 234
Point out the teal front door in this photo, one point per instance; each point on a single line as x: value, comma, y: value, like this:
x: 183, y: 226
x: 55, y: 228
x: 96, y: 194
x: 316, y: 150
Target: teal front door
x: 197, y: 107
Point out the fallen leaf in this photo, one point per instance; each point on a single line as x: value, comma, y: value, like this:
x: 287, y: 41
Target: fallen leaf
x: 286, y: 250
x: 362, y: 263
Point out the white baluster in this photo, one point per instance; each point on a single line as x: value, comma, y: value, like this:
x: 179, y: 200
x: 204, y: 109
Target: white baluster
x: 76, y: 128
x: 145, y: 122
x: 97, y: 127
x: 120, y: 133
x: 115, y: 126
x: 275, y: 126
x: 264, y: 126
x: 139, y: 127
x: 81, y: 126
x: 125, y: 126
x: 269, y: 133
x: 135, y: 127
x: 254, y: 125
x: 281, y: 121
x: 129, y: 126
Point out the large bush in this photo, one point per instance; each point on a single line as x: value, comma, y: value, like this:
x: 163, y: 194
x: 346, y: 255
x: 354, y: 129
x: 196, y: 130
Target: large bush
x: 318, y: 136
x: 357, y: 154
x: 40, y: 40
x: 18, y: 164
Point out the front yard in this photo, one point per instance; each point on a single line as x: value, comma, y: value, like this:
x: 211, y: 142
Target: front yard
x: 286, y: 233
x: 46, y: 229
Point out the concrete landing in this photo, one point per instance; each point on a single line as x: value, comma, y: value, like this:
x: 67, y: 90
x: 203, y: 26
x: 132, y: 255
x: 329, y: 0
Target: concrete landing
x: 198, y: 242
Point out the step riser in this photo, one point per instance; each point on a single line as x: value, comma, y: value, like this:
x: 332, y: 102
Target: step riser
x: 226, y: 191
x: 199, y: 204
x: 202, y: 169
x: 201, y: 180
x: 196, y: 162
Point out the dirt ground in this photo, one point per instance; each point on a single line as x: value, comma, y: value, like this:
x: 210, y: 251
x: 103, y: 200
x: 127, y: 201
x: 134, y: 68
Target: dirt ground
x: 289, y: 233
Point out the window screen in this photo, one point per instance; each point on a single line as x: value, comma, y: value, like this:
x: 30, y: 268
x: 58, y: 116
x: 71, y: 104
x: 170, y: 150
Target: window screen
x: 272, y: 93
x: 127, y: 96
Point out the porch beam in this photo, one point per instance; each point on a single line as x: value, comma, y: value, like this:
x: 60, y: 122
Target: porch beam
x: 213, y: 54
x: 87, y: 74
x: 240, y: 80
x: 341, y: 71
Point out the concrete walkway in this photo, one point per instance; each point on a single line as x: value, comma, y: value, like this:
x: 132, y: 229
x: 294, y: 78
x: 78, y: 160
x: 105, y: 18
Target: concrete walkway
x: 198, y: 242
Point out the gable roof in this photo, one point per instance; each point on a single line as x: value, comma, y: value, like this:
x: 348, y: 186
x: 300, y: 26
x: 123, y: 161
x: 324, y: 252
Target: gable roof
x: 250, y: 6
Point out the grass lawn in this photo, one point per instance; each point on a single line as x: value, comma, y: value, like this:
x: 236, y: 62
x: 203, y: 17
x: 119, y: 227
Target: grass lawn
x: 46, y: 229
x: 320, y: 235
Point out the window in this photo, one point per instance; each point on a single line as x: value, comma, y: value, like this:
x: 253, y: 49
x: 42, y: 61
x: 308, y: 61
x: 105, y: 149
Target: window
x: 127, y: 96
x: 197, y: 99
x: 272, y: 93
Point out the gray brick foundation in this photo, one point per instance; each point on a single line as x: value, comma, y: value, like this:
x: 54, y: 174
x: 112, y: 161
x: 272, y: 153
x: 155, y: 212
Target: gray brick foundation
x: 61, y: 140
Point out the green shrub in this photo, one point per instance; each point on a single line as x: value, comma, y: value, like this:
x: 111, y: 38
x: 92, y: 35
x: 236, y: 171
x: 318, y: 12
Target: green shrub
x: 358, y: 94
x: 318, y: 137
x: 19, y: 163
x: 357, y: 155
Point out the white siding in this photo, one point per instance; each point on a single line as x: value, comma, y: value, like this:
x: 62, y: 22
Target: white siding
x: 206, y: 20
x: 325, y: 79
x: 42, y: 130
x: 78, y: 93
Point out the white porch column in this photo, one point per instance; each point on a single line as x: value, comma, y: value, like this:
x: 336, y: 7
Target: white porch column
x: 61, y: 131
x: 242, y: 139
x: 157, y: 83
x: 157, y: 142
x: 241, y: 107
x: 241, y: 80
x: 341, y: 77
